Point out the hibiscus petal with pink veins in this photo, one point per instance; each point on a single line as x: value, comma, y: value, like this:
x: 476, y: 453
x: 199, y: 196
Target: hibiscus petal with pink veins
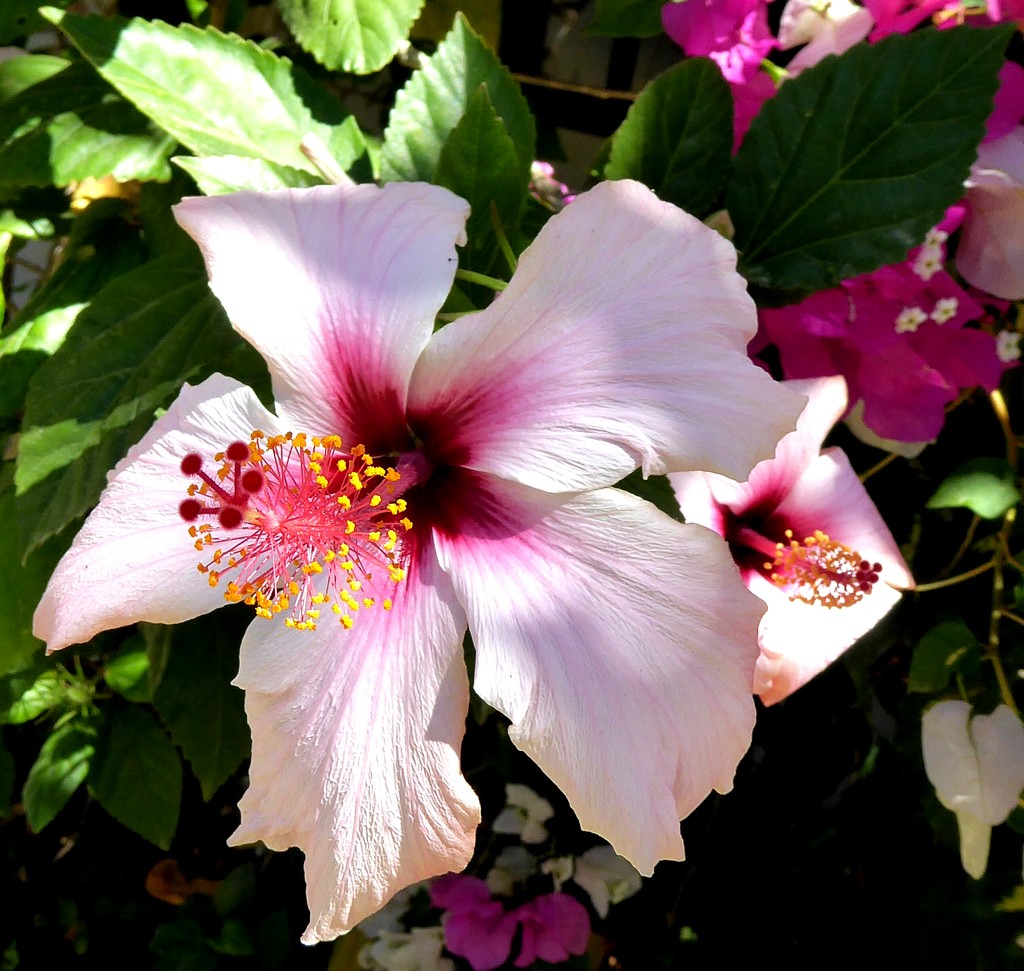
x: 620, y: 342
x: 991, y: 251
x: 134, y: 558
x: 337, y: 287
x: 356, y: 737
x: 620, y: 643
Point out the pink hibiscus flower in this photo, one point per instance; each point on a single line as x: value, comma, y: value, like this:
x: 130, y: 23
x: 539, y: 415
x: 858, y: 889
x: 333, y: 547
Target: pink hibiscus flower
x: 809, y: 542
x: 459, y: 478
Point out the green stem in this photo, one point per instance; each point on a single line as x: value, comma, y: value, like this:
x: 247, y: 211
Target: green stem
x: 471, y: 276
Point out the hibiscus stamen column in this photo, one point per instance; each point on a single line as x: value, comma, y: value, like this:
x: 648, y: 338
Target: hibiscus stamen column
x: 817, y: 570
x: 302, y: 525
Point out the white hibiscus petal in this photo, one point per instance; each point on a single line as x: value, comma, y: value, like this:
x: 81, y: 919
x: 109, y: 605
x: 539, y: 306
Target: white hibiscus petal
x: 620, y: 342
x: 620, y: 643
x: 134, y: 559
x: 356, y: 737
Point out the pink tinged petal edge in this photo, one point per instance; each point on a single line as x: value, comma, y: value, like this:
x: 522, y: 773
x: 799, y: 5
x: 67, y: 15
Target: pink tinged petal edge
x: 800, y: 640
x: 356, y: 738
x: 337, y: 287
x: 623, y: 656
x: 134, y: 560
x: 620, y: 342
x: 991, y: 251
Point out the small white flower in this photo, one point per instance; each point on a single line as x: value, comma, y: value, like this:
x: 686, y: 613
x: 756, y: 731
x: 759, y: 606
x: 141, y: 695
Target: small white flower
x: 977, y: 768
x: 513, y: 865
x: 560, y: 869
x: 929, y: 261
x: 936, y: 237
x: 524, y: 814
x: 945, y: 309
x: 607, y: 877
x: 418, y: 950
x: 910, y: 319
x: 1008, y: 346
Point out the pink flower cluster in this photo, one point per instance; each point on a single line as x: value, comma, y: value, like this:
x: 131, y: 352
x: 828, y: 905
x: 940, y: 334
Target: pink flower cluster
x: 478, y: 928
x: 897, y: 335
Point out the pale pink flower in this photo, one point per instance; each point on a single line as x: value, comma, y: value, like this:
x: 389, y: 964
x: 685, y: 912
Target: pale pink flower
x: 809, y: 542
x: 824, y: 27
x: 619, y: 644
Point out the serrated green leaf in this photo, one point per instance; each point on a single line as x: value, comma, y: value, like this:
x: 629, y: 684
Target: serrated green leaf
x: 127, y: 671
x: 850, y: 163
x: 136, y: 774
x: 429, y: 107
x: 219, y: 174
x: 938, y: 654
x: 988, y: 487
x: 215, y: 93
x: 677, y: 136
x: 72, y: 126
x: 479, y: 163
x: 358, y: 36
x: 128, y: 354
x: 627, y: 18
x: 60, y: 769
x: 102, y: 246
x: 198, y: 703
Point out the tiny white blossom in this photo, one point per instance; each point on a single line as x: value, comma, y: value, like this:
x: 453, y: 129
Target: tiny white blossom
x: 513, y: 865
x: 606, y: 877
x: 524, y: 814
x: 1008, y: 346
x: 560, y: 869
x: 929, y: 261
x: 910, y: 319
x: 945, y: 309
x: 417, y: 950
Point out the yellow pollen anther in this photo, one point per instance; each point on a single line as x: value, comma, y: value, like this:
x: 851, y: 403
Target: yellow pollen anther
x: 375, y: 501
x: 355, y: 481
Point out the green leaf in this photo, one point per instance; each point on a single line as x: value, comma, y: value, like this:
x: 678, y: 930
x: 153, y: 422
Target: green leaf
x: 358, y: 36
x: 478, y: 162
x: 127, y: 671
x: 849, y: 165
x: 102, y: 246
x: 72, y: 126
x: 218, y: 174
x: 938, y: 654
x: 677, y: 136
x: 42, y: 695
x: 430, y: 106
x: 23, y: 584
x: 656, y: 489
x: 128, y: 354
x: 198, y: 703
x: 20, y: 73
x: 215, y: 93
x: 627, y: 18
x: 60, y: 769
x: 19, y: 18
x: 136, y: 774
x: 6, y: 779
x: 988, y: 487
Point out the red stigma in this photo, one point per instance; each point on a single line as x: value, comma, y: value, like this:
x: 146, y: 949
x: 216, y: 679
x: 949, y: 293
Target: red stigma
x: 191, y: 463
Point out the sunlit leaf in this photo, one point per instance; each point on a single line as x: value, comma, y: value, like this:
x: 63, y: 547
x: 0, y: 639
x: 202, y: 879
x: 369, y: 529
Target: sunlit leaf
x: 988, y: 487
x: 59, y: 770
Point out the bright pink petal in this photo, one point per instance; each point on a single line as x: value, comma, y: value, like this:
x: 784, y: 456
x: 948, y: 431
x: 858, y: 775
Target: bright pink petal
x: 356, y: 738
x: 620, y: 342
x: 800, y: 640
x: 337, y: 287
x: 620, y: 643
x: 555, y: 926
x: 134, y: 559
x: 991, y: 251
x: 483, y: 936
